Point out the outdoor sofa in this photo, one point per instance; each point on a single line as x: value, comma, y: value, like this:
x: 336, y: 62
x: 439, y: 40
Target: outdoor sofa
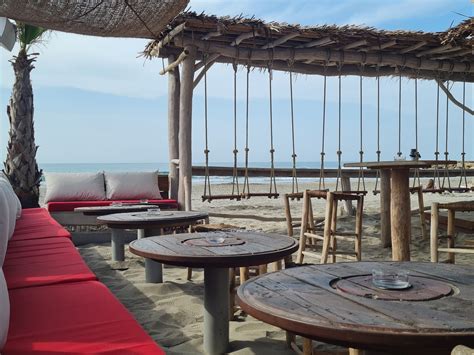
x: 50, y: 301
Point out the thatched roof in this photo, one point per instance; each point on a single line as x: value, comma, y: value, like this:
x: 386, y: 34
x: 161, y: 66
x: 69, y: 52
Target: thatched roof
x: 322, y: 49
x: 111, y: 18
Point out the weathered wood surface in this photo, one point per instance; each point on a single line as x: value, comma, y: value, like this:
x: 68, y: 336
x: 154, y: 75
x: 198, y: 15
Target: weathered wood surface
x: 302, y: 300
x: 396, y: 164
x: 256, y: 249
x: 174, y: 86
x: 400, y: 214
x: 140, y: 220
x: 306, y: 173
x: 124, y: 208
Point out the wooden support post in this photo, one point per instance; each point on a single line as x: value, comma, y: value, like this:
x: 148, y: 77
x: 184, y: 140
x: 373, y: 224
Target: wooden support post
x: 173, y: 128
x: 385, y: 234
x: 185, y: 130
x: 434, y: 232
x: 346, y: 186
x: 400, y: 214
x: 451, y: 234
x: 289, y: 220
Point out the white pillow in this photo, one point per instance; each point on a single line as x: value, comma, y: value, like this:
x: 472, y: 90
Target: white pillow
x: 11, y: 194
x: 74, y: 187
x: 5, y: 228
x: 132, y: 185
x: 4, y: 310
x: 8, y: 209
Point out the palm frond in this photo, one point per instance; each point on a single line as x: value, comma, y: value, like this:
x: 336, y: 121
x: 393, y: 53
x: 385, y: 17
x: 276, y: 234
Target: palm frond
x: 29, y: 34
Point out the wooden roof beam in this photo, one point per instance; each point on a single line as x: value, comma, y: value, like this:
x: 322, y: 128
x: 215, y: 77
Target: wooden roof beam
x: 317, y: 43
x: 245, y: 36
x: 168, y: 38
x: 220, y: 31
x: 281, y: 40
x: 453, y: 55
x: 414, y: 47
x: 434, y: 50
x: 383, y: 45
x: 356, y: 44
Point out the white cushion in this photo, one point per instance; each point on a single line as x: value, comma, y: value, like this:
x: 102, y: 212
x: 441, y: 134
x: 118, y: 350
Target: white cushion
x: 4, y: 310
x: 8, y: 209
x: 13, y: 198
x: 5, y: 228
x: 74, y: 187
x: 132, y: 185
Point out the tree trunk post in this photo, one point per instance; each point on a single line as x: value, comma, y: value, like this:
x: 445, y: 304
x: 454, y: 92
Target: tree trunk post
x: 173, y: 128
x: 185, y: 130
x: 385, y: 234
x: 400, y: 215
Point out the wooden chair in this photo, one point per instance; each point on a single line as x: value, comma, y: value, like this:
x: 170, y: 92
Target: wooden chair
x: 450, y: 236
x: 290, y: 224
x: 330, y: 235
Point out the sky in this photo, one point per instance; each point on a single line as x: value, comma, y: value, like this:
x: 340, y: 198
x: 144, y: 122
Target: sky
x: 97, y: 101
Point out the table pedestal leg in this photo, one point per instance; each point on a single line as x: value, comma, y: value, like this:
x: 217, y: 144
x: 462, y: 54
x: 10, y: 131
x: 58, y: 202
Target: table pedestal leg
x: 140, y: 233
x: 216, y: 310
x: 400, y: 214
x: 118, y: 252
x: 385, y: 208
x: 153, y: 269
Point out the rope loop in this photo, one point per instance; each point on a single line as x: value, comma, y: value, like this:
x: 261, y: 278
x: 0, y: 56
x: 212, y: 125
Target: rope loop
x: 235, y: 151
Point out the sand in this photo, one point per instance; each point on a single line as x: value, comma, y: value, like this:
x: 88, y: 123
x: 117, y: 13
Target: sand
x: 172, y: 312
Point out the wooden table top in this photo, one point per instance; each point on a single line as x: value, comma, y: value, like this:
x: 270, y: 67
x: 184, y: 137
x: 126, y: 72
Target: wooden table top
x: 307, y: 301
x: 144, y: 219
x: 103, y: 210
x: 241, y: 248
x: 398, y: 164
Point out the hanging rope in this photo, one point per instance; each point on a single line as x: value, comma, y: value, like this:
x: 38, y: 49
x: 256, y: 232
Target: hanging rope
x: 339, y: 128
x: 361, y: 178
x: 322, y: 185
x: 207, y: 181
x: 416, y: 155
x: 294, y: 177
x: 246, y: 187
x: 446, y: 177
x: 235, y: 177
x: 399, y: 153
x: 273, y: 188
x: 377, y: 176
x: 463, y: 177
x: 436, y: 176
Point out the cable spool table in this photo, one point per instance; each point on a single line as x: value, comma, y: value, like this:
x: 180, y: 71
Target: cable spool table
x: 216, y: 252
x: 335, y: 303
x: 150, y: 224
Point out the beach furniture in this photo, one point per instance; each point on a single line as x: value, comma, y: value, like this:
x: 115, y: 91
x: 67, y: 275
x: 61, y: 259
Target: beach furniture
x: 216, y: 253
x: 339, y: 304
x: 50, y: 301
x: 309, y: 236
x: 148, y: 225
x: 451, y: 248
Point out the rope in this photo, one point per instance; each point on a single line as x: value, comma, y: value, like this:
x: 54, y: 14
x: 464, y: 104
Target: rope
x: 446, y: 153
x: 339, y: 151
x: 377, y: 176
x: 207, y: 181
x: 463, y: 153
x: 399, y: 115
x: 436, y: 170
x: 246, y: 188
x: 272, y: 149
x: 416, y: 177
x: 322, y: 185
x: 361, y: 179
x: 294, y: 178
x: 235, y: 178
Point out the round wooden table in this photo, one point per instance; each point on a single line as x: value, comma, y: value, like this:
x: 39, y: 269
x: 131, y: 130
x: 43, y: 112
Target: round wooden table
x: 237, y: 249
x: 337, y: 303
x: 147, y: 225
x: 395, y: 182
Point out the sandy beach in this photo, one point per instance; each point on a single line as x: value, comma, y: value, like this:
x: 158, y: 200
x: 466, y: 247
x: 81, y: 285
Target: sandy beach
x: 172, y: 312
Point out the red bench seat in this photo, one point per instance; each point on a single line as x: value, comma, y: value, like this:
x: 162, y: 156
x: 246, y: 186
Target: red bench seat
x: 69, y: 206
x: 36, y: 223
x: 81, y: 317
x: 40, y: 262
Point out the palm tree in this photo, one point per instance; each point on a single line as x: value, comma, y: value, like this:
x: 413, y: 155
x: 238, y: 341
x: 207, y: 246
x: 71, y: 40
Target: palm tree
x: 20, y: 165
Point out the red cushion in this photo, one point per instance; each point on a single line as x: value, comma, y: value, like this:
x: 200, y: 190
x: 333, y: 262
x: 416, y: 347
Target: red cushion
x: 80, y: 317
x: 37, y: 223
x: 42, y: 262
x: 69, y: 206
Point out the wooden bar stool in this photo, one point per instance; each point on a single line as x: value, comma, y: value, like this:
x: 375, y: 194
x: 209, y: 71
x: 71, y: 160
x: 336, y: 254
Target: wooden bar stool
x: 450, y: 236
x: 330, y: 235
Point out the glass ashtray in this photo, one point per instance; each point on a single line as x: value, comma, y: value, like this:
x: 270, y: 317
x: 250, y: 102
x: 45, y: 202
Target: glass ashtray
x: 390, y: 280
x: 216, y: 238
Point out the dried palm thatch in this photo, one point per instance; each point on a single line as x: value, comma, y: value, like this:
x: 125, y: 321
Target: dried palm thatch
x: 325, y: 49
x: 106, y: 18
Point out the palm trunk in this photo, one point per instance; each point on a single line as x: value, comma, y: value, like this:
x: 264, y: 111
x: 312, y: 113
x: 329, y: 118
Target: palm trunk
x: 20, y: 165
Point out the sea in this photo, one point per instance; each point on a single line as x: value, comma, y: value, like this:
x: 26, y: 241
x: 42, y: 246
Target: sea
x: 163, y: 168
